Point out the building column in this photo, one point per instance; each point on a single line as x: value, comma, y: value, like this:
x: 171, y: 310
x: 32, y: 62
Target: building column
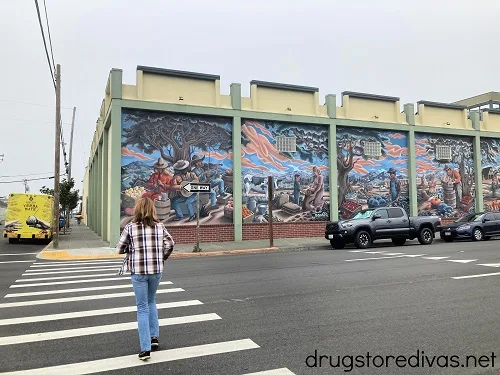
x: 94, y: 199
x: 104, y: 179
x: 478, y: 176
x: 115, y: 176
x: 237, y: 181
x: 412, y: 173
x: 333, y: 178
x: 89, y: 196
x: 99, y: 190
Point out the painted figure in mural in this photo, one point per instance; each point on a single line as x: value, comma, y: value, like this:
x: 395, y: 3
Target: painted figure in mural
x: 205, y: 175
x: 159, y: 182
x: 452, y: 178
x: 394, y: 185
x: 314, y: 194
x: 296, y: 190
x: 182, y: 173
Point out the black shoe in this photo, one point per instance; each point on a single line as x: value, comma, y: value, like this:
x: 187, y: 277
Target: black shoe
x: 144, y: 355
x: 154, y: 343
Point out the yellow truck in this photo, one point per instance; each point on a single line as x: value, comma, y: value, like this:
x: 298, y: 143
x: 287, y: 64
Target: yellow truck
x: 28, y: 216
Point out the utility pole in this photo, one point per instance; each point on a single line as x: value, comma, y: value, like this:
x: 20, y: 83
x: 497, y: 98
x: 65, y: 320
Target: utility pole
x: 57, y: 165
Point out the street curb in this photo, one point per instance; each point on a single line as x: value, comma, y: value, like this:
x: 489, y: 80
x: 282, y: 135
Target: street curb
x: 65, y: 255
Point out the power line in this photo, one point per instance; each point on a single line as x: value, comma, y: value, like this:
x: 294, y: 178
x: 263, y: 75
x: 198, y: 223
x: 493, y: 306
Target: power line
x: 45, y: 43
x: 25, y: 175
x: 33, y: 121
x: 48, y: 32
x: 31, y: 179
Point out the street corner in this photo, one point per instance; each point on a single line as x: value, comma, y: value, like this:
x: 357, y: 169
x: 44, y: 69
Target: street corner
x: 224, y: 252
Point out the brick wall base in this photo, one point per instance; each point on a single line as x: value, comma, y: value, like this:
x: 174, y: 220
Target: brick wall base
x: 208, y: 233
x: 259, y: 231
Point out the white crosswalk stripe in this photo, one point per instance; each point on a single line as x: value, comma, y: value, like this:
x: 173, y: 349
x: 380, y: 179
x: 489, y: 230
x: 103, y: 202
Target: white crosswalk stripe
x: 128, y: 361
x: 61, y: 324
x: 75, y: 290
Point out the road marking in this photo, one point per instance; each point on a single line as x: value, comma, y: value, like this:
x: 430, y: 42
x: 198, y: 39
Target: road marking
x: 279, y: 371
x: 63, y: 277
x: 490, y: 265
x: 357, y: 251
x: 435, y: 258
x: 81, y: 298
x: 69, y: 262
x: 473, y: 276
x: 375, y: 252
x: 75, y: 290
x: 17, y: 261
x: 461, y: 260
x: 55, y: 270
x: 18, y: 254
x: 68, y: 282
x: 355, y: 260
x: 393, y: 253
x: 87, y: 331
x: 109, y: 364
x: 33, y: 273
x: 87, y: 313
x: 75, y: 264
x: 414, y: 255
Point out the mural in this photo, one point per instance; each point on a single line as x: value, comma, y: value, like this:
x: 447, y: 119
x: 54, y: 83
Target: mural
x: 490, y: 158
x: 162, y: 152
x: 301, y: 188
x: 445, y: 185
x: 367, y: 181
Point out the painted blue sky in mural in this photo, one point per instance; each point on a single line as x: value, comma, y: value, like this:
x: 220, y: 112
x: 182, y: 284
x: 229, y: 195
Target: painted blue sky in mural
x: 262, y: 158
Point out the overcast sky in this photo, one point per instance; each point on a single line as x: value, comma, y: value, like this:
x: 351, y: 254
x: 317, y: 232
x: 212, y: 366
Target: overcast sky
x: 427, y: 49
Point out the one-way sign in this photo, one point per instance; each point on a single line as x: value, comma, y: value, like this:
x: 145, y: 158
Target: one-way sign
x: 195, y: 187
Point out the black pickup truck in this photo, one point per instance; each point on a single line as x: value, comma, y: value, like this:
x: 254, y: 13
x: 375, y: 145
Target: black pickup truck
x: 382, y: 223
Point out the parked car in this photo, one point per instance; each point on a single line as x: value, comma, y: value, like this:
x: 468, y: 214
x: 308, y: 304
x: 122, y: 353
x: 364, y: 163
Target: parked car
x: 382, y: 223
x: 478, y: 226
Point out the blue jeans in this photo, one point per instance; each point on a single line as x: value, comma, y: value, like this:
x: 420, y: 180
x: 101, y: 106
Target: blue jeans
x: 145, y: 287
x: 216, y: 182
x: 189, y: 203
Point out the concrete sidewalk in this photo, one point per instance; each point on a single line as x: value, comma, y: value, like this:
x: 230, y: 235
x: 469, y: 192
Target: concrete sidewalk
x: 83, y: 243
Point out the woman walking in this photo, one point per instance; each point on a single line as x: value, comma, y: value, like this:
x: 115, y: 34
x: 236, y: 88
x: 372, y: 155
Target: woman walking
x: 147, y: 244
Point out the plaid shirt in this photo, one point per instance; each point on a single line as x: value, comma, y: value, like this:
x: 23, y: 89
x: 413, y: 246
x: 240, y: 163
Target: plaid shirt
x: 147, y: 248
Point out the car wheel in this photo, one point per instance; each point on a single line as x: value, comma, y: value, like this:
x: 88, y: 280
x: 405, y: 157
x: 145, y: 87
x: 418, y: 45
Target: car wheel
x: 363, y: 239
x: 337, y: 244
x: 425, y: 237
x: 399, y: 241
x: 477, y: 234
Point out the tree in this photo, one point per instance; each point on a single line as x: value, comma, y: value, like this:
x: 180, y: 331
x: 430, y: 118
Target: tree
x: 174, y: 135
x: 68, y: 197
x: 461, y: 154
x: 349, y: 150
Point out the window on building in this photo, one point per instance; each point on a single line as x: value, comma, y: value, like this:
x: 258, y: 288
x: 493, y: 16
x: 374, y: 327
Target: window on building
x: 372, y: 149
x: 286, y: 144
x: 443, y: 153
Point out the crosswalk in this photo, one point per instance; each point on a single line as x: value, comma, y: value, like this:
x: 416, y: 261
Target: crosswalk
x: 67, y: 302
x: 384, y: 255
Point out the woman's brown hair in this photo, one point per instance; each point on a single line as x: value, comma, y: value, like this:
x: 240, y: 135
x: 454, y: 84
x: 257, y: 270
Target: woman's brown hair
x: 145, y: 212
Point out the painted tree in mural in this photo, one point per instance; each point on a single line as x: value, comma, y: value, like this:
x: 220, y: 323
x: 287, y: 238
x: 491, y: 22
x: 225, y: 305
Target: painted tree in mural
x: 310, y: 142
x: 461, y: 154
x: 175, y: 136
x: 350, y: 150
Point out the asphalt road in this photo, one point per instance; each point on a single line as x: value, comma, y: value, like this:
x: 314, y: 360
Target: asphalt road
x: 273, y: 309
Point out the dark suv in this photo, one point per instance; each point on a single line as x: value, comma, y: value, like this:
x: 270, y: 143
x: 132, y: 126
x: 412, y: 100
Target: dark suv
x: 476, y: 227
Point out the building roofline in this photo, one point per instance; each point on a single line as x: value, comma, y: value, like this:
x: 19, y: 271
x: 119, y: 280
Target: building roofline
x: 283, y: 86
x: 441, y: 105
x: 178, y: 73
x: 362, y: 95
